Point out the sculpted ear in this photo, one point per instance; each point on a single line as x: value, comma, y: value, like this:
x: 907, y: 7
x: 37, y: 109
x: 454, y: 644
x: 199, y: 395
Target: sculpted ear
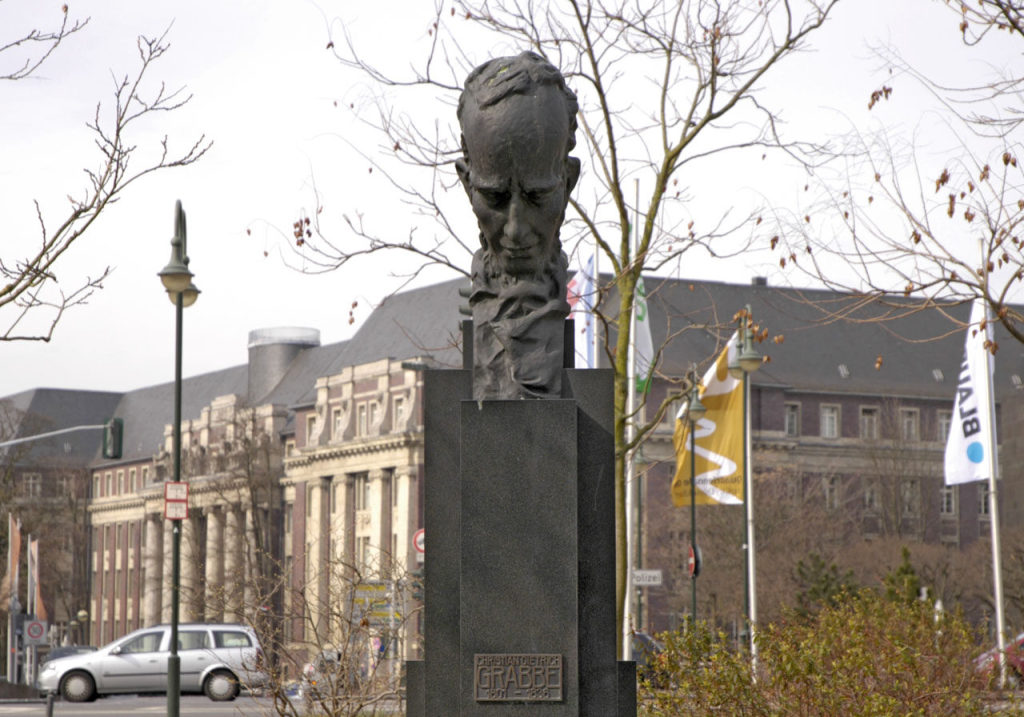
x: 462, y: 169
x: 572, y: 172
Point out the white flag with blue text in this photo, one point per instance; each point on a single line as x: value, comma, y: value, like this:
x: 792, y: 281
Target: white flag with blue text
x: 970, y: 443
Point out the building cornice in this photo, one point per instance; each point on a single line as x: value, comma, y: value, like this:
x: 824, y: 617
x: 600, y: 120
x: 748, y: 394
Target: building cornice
x: 352, y: 449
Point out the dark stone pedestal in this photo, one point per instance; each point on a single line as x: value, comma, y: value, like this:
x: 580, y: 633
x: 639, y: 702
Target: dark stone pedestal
x: 520, y: 578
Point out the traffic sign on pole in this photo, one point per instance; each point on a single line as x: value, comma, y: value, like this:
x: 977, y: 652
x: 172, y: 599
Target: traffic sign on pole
x: 693, y: 561
x: 35, y: 632
x: 175, y: 500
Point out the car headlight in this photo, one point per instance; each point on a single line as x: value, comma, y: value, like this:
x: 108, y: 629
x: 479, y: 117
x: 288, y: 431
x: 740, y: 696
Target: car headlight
x: 49, y: 667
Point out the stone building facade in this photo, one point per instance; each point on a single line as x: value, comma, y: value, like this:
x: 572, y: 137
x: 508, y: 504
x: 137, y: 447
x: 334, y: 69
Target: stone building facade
x: 305, y: 465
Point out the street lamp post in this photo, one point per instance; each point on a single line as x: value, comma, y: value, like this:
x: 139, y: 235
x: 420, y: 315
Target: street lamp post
x: 83, y: 626
x: 695, y: 411
x: 746, y: 361
x: 177, y: 279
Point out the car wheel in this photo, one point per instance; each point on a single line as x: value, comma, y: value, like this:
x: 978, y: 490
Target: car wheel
x: 78, y: 687
x: 221, y: 686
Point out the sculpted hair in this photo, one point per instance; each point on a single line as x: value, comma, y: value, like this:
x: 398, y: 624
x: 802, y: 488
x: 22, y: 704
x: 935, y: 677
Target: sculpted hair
x: 496, y: 79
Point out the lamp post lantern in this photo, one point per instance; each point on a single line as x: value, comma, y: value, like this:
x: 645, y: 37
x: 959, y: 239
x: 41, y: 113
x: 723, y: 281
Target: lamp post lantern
x: 177, y: 280
x: 695, y: 411
x: 83, y: 626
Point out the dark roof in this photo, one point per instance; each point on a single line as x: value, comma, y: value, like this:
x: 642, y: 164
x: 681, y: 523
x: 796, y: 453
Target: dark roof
x: 146, y: 411
x: 419, y: 322
x: 819, y: 331
x: 42, y: 410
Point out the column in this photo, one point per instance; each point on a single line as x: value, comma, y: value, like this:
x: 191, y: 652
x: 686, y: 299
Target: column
x: 248, y: 563
x: 214, y: 611
x: 153, y: 586
x: 233, y: 565
x: 165, y: 609
x: 190, y: 558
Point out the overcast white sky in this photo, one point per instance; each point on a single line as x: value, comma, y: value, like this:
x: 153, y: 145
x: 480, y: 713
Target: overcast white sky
x: 265, y: 91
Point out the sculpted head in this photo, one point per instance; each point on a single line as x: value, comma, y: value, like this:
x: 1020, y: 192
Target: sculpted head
x: 518, y: 123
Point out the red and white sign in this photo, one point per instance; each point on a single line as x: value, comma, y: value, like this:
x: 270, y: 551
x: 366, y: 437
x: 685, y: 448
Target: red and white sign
x: 35, y: 632
x: 693, y: 561
x: 175, y: 501
x: 419, y: 541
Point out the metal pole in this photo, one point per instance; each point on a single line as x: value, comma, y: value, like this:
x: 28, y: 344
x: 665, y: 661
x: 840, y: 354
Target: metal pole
x: 693, y: 514
x: 997, y: 562
x: 748, y: 495
x: 173, y: 661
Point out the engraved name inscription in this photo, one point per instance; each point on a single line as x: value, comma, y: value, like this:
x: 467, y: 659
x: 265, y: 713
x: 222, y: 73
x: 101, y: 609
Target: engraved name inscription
x: 517, y: 678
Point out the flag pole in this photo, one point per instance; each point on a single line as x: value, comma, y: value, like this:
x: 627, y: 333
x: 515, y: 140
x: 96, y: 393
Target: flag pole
x: 11, y: 674
x: 997, y: 570
x: 748, y: 494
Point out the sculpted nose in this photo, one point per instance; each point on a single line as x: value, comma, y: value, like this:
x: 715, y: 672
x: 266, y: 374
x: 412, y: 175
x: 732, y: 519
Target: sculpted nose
x: 513, y: 236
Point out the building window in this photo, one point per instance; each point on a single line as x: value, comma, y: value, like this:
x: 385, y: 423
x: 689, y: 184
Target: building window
x: 110, y: 483
x: 288, y: 508
x: 832, y: 486
x: 869, y: 423
x: 399, y: 412
x: 910, y: 424
x: 363, y: 551
x: 393, y: 482
x: 945, y: 420
x: 362, y: 491
x: 910, y: 497
x: 830, y: 421
x: 871, y: 497
x: 792, y: 419
x: 96, y: 486
x: 947, y: 500
x: 32, y: 484
x: 336, y: 427
x: 145, y: 475
x: 289, y: 448
x: 310, y: 427
x: 374, y: 413
x: 361, y: 419
x: 63, y: 485
x: 120, y: 482
x: 983, y: 499
x: 131, y: 480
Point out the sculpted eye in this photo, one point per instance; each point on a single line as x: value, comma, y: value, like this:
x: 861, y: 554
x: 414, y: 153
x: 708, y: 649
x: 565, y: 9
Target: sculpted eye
x: 538, y: 196
x: 494, y: 198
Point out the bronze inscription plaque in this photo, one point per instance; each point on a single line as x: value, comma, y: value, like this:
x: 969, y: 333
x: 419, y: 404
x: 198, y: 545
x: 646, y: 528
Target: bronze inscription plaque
x: 517, y: 678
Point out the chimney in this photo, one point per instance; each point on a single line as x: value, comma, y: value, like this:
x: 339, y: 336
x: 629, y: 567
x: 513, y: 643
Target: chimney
x: 271, y: 352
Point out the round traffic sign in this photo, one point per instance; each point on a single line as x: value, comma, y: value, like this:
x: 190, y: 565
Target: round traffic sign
x: 693, y: 561
x: 418, y: 541
x: 35, y: 630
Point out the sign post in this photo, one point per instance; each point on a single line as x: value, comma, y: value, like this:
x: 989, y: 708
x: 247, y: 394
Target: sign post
x: 175, y: 501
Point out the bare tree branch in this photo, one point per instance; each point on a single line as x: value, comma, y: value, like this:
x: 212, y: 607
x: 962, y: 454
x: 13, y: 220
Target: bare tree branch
x: 30, y: 286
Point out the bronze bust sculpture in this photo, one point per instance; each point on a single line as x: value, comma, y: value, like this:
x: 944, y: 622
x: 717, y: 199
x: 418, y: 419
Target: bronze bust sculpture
x: 518, y: 123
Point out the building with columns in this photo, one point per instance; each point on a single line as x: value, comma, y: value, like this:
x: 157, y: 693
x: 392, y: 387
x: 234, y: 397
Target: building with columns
x: 305, y: 482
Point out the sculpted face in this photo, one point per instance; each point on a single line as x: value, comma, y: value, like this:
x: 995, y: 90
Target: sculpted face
x: 517, y: 177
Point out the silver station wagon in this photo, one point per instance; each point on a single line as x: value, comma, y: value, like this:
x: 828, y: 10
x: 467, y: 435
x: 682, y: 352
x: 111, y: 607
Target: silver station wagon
x: 215, y: 659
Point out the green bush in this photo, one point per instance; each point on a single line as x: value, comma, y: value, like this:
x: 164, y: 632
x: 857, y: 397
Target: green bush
x: 862, y: 656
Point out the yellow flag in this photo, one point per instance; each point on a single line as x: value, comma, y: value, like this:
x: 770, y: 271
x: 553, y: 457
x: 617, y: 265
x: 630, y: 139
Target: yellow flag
x: 719, y: 439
